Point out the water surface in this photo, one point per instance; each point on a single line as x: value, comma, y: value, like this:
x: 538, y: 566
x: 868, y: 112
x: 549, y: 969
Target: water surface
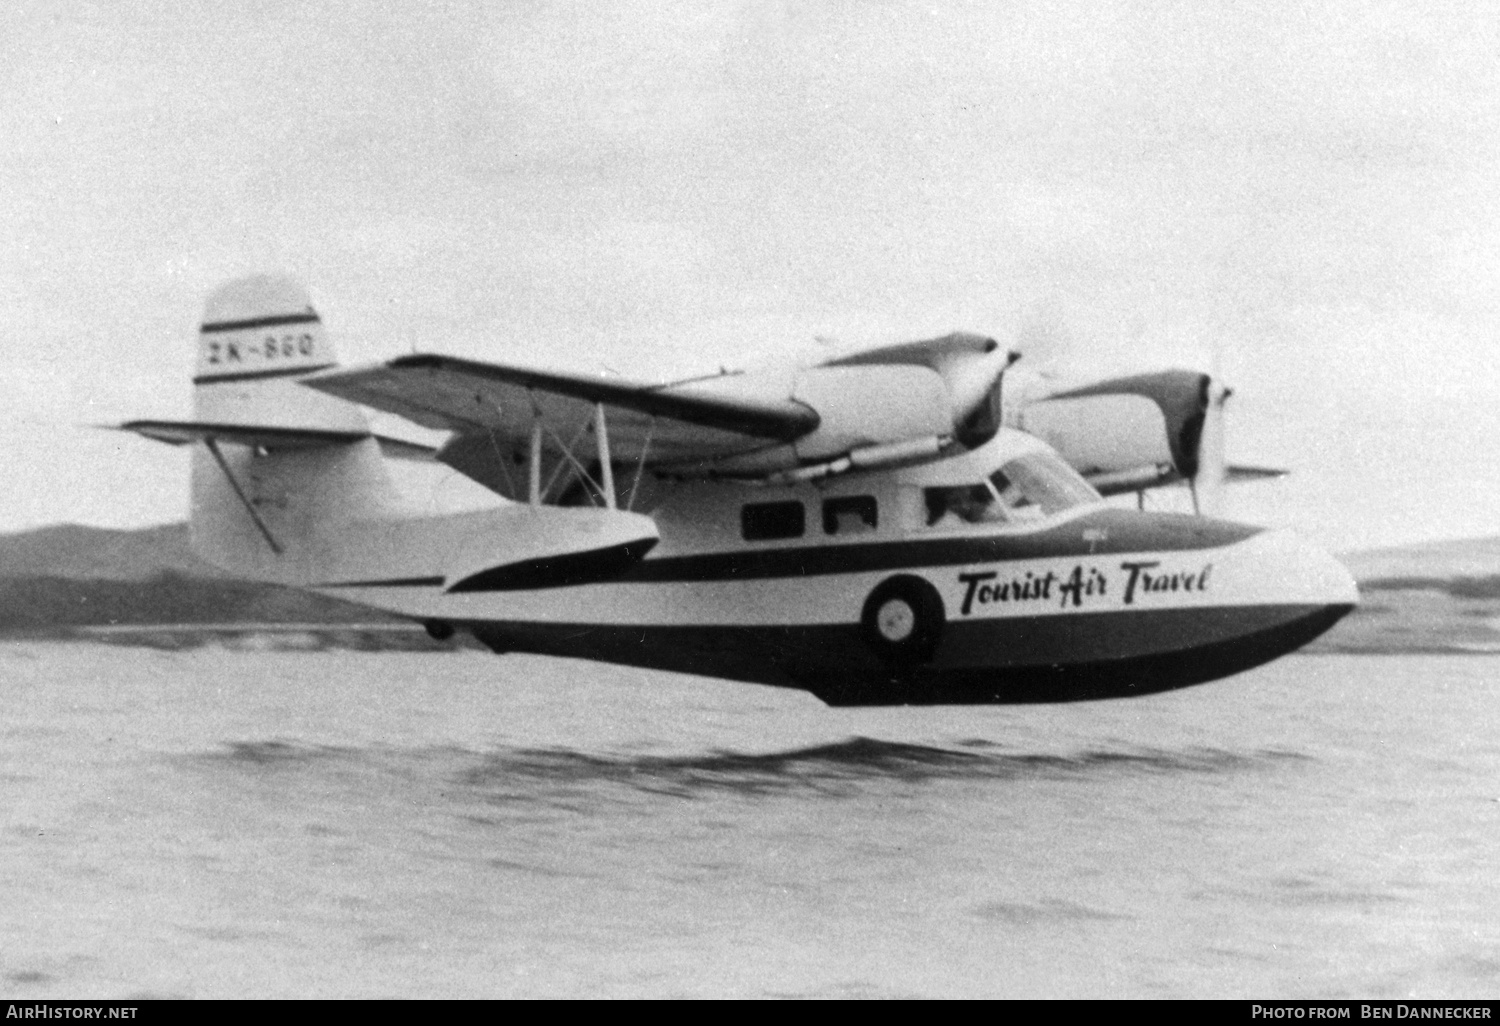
x: 214, y: 823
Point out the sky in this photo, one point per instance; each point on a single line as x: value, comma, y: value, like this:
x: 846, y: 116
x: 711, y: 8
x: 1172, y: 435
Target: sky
x: 1300, y: 196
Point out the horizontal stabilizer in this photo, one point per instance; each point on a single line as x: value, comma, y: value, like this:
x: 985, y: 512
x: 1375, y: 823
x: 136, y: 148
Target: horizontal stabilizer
x: 185, y: 432
x: 1240, y: 475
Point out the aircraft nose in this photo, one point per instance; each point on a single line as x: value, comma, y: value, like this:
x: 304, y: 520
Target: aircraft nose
x: 1263, y: 595
x: 1296, y: 571
x: 1331, y: 577
x: 1288, y: 590
x: 1246, y: 566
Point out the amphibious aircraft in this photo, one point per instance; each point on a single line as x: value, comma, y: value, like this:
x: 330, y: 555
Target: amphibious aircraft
x: 873, y: 528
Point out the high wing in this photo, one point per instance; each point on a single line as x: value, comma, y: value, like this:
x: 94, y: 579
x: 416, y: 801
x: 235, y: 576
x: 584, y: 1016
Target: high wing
x: 897, y: 405
x: 874, y: 407
x: 699, y: 419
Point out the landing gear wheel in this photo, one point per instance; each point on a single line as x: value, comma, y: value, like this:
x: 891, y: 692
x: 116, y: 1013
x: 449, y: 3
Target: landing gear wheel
x: 903, y: 620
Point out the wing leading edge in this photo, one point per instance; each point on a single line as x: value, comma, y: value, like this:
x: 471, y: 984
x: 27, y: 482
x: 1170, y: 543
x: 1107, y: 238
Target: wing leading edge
x: 688, y: 423
x: 452, y: 394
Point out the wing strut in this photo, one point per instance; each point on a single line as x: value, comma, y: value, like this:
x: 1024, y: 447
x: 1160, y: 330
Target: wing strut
x: 213, y: 447
x: 534, y: 474
x: 566, y: 449
x: 640, y: 470
x: 604, y: 487
x: 599, y: 488
x: 606, y: 472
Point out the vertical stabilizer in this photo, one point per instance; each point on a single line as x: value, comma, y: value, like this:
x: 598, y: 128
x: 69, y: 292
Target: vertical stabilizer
x: 271, y: 507
x: 259, y: 336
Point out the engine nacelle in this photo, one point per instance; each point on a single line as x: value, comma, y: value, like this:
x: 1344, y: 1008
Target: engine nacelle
x: 914, y: 396
x: 1127, y: 433
x: 862, y: 406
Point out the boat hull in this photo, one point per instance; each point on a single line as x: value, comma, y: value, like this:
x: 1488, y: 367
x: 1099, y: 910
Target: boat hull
x: 1032, y: 660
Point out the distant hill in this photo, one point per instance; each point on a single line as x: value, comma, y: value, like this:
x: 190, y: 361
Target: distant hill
x: 46, y: 605
x: 56, y: 581
x: 95, y: 553
x: 1469, y: 558
x: 1432, y: 597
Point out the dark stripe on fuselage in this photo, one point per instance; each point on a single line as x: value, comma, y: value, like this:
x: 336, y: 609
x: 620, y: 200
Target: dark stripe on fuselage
x: 259, y: 322
x: 280, y: 372
x: 388, y: 582
x: 559, y: 571
x: 1106, y: 532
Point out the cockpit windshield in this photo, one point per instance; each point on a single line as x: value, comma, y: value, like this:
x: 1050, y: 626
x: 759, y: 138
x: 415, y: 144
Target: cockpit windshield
x: 1045, y: 480
x: 1031, y: 486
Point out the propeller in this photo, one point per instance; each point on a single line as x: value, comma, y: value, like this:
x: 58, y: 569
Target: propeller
x: 1206, y: 484
x: 986, y: 415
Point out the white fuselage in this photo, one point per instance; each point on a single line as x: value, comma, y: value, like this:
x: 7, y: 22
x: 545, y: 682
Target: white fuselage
x: 1087, y: 587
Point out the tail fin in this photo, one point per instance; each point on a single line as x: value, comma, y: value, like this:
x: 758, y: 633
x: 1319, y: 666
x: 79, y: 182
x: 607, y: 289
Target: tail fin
x: 282, y: 466
x: 259, y: 336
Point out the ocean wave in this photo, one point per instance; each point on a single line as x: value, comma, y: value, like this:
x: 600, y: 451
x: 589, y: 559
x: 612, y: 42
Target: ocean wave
x: 838, y: 765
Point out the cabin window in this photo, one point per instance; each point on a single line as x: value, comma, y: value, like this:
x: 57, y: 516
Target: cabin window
x: 849, y: 514
x: 769, y: 521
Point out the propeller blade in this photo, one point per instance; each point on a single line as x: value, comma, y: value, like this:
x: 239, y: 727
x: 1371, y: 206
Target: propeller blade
x: 1207, y: 484
x: 981, y: 408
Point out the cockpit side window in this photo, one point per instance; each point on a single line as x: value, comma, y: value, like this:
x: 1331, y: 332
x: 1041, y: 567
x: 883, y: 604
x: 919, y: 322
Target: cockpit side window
x: 770, y: 521
x: 850, y: 514
x: 962, y: 504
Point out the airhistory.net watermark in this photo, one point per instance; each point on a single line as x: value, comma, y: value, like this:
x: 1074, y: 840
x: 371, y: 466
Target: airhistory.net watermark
x: 46, y: 1010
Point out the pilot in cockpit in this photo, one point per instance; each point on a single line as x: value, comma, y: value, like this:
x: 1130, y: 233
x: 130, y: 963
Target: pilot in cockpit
x: 963, y: 504
x: 996, y: 501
